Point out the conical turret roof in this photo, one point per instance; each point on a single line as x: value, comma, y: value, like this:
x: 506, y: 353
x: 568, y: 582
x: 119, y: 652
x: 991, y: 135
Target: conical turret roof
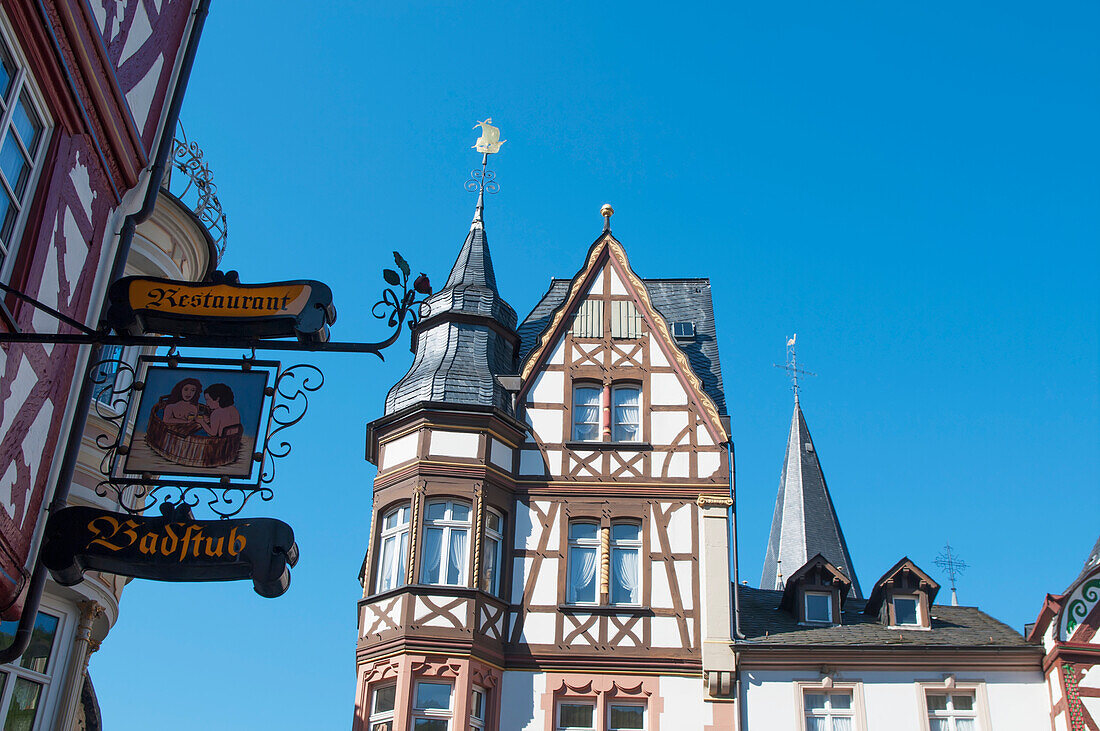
x: 804, y: 523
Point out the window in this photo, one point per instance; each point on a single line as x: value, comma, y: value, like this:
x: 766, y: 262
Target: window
x: 906, y: 610
x: 24, y: 683
x: 586, y: 413
x: 432, y: 706
x: 625, y: 717
x: 576, y: 716
x: 22, y: 150
x: 395, y: 547
x: 828, y: 711
x: 819, y: 606
x: 494, y: 539
x: 381, y: 708
x: 446, y: 529
x: 627, y: 415
x: 626, y: 321
x: 588, y: 322
x: 477, y: 709
x: 584, y: 545
x: 951, y: 712
x: 626, y: 548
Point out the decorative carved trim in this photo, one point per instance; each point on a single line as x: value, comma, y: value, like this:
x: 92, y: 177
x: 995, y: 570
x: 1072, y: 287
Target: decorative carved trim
x: 714, y: 501
x: 414, y: 528
x: 479, y: 521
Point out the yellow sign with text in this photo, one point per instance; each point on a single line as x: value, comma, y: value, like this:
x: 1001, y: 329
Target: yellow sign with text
x: 219, y: 300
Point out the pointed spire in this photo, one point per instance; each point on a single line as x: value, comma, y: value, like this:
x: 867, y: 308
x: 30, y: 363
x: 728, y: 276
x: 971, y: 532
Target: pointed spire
x: 805, y: 522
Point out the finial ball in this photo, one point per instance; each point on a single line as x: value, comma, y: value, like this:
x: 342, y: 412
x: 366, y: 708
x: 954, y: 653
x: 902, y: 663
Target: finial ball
x: 607, y: 211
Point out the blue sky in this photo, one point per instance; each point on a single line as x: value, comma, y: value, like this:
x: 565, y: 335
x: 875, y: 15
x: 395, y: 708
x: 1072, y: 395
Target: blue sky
x: 913, y: 190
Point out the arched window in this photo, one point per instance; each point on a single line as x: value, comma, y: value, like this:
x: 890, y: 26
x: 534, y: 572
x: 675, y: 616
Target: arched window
x: 626, y: 550
x: 394, y: 547
x: 446, y: 543
x: 584, y: 547
x: 626, y: 419
x: 494, y: 541
x: 586, y: 413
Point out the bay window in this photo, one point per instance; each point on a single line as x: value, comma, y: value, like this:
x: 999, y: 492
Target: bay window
x: 626, y: 548
x: 584, y: 546
x: 25, y: 682
x: 586, y: 413
x: 394, y: 543
x: 494, y: 540
x: 446, y: 543
x: 381, y: 708
x: 477, y: 709
x: 432, y: 706
x: 626, y: 419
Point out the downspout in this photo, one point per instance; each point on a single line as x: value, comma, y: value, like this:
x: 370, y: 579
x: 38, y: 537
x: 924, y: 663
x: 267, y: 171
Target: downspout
x: 84, y: 400
x: 733, y: 544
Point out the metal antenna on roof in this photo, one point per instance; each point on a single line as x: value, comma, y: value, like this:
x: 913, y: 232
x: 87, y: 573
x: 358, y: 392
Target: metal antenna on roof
x: 949, y: 562
x: 792, y: 366
x: 484, y: 180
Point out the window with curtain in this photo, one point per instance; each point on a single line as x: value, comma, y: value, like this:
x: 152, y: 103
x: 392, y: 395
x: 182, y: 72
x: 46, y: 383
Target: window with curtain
x: 625, y: 717
x: 586, y: 413
x: 393, y: 549
x: 431, y: 706
x: 494, y: 540
x: 828, y: 710
x: 381, y: 708
x: 626, y: 417
x: 626, y: 551
x: 954, y: 711
x: 25, y: 683
x: 576, y: 715
x: 23, y: 132
x: 446, y: 543
x: 584, y: 546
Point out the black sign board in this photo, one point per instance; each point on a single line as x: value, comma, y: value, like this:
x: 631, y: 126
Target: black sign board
x: 173, y: 547
x: 223, y: 308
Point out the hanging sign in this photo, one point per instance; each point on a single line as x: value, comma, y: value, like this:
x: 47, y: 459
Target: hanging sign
x: 224, y: 308
x: 173, y: 547
x: 196, y: 422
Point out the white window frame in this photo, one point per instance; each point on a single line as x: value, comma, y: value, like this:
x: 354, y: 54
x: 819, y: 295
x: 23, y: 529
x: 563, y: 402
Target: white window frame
x: 573, y: 545
x: 949, y: 685
x: 852, y: 686
x: 575, y: 702
x: 920, y: 623
x: 599, y: 404
x: 615, y: 422
x: 477, y: 723
x: 393, y: 535
x: 612, y: 702
x: 22, y: 83
x: 432, y: 713
x: 377, y: 716
x: 622, y: 544
x: 494, y: 544
x: 448, y: 524
x: 52, y: 679
x: 806, y: 606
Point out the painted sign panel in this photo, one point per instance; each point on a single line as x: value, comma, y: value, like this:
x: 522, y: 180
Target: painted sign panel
x: 142, y: 305
x: 173, y: 547
x: 198, y: 422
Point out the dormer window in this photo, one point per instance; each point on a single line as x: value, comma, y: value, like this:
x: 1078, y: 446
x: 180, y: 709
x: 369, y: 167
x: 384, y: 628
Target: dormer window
x: 819, y: 606
x: 903, y: 597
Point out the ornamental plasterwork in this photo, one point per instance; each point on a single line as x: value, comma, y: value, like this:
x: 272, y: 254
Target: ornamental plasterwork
x: 1079, y: 604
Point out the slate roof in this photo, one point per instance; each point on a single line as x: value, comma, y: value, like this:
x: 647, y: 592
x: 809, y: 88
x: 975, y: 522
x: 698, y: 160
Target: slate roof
x: 763, y: 623
x: 677, y: 300
x: 458, y: 359
x: 804, y: 523
x: 1090, y: 563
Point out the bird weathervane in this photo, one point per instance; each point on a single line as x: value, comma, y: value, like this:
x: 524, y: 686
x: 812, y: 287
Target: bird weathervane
x: 792, y: 365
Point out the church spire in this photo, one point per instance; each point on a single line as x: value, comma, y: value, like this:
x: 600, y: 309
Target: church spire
x: 804, y: 523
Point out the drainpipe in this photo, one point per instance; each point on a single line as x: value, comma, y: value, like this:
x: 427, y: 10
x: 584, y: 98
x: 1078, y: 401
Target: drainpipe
x: 84, y: 400
x: 733, y: 543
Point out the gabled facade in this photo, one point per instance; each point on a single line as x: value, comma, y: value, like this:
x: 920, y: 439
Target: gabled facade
x: 550, y: 512
x: 1069, y: 629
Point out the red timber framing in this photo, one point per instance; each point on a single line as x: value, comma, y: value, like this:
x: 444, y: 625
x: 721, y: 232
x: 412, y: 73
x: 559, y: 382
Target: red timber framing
x: 102, y: 82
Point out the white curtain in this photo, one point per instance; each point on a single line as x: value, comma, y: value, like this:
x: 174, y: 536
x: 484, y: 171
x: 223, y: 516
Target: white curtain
x: 386, y: 567
x: 456, y: 564
x: 842, y: 723
x: 433, y: 548
x: 582, y: 574
x: 817, y: 724
x: 626, y: 571
x: 964, y: 724
x: 489, y: 580
x: 402, y: 552
x: 627, y: 414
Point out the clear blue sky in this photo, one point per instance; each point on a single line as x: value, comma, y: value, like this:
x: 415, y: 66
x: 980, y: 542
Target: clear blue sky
x: 913, y: 190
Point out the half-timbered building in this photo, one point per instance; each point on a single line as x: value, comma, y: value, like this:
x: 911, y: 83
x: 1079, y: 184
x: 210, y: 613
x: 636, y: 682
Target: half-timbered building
x: 549, y: 536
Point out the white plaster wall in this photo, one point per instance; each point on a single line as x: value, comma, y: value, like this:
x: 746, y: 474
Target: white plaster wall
x: 679, y: 529
x: 616, y: 283
x: 520, y: 701
x: 1017, y: 701
x: 546, y: 425
x: 538, y: 628
x: 548, y: 388
x: 453, y: 444
x: 500, y: 454
x: 546, y: 584
x: 666, y: 389
x: 665, y: 425
x: 665, y: 632
x: 678, y: 464
x: 530, y: 462
x: 684, y: 707
x: 656, y: 355
x: 557, y: 355
x: 400, y: 450
x: 708, y: 462
x: 597, y: 283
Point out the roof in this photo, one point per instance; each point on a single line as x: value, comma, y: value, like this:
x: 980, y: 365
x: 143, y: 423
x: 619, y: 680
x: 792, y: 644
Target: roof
x: 677, y: 300
x: 762, y: 622
x: 1090, y: 563
x: 878, y: 593
x: 804, y: 522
